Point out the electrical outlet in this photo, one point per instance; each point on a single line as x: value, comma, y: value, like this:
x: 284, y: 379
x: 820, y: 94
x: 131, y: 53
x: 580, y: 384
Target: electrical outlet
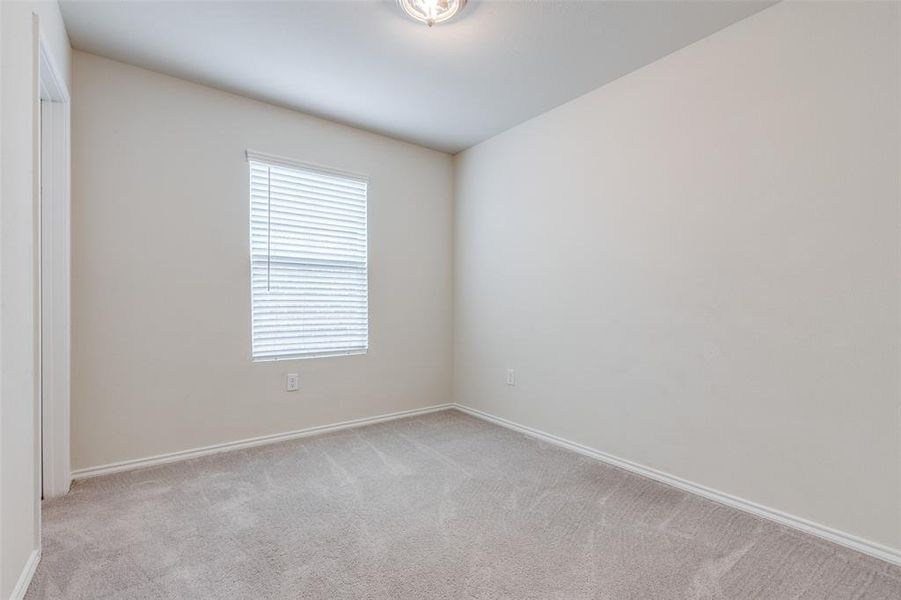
x: 511, y: 377
x: 292, y: 382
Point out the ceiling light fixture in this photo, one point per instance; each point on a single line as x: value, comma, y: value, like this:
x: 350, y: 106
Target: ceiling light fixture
x: 432, y: 11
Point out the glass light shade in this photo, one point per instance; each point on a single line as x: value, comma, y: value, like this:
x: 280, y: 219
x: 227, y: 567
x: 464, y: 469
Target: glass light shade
x: 432, y: 11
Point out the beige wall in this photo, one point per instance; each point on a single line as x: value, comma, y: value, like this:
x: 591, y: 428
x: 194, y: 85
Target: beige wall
x: 21, y: 26
x: 695, y: 267
x: 161, y: 309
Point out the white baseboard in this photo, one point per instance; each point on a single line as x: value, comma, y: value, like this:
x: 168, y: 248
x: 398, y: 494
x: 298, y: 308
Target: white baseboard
x: 864, y: 546
x: 171, y: 457
x: 27, y: 574
x: 873, y: 549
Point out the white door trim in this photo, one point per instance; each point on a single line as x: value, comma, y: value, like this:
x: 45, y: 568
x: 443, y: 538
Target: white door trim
x: 55, y: 259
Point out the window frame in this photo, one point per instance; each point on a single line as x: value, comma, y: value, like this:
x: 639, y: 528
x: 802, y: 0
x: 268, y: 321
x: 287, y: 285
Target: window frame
x: 271, y: 160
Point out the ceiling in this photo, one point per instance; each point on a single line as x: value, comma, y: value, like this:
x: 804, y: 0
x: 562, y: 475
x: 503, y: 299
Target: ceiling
x: 365, y: 64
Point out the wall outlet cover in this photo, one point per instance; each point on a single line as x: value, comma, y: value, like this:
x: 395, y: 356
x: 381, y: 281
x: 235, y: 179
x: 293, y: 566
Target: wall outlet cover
x: 292, y: 382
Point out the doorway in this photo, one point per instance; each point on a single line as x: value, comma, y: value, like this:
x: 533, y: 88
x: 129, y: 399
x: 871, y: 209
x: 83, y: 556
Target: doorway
x: 53, y: 264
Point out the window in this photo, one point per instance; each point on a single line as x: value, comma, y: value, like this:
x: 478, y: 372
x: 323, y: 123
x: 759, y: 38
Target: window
x: 308, y: 260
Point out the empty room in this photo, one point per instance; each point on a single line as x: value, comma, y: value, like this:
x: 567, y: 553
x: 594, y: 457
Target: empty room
x: 450, y: 299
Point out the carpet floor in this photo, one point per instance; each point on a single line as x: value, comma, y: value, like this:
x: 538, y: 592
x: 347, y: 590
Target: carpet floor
x: 441, y: 506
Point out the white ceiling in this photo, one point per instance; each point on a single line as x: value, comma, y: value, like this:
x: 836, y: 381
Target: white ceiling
x: 365, y: 64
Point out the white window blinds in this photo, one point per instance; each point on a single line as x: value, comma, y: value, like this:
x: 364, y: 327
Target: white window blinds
x: 308, y: 260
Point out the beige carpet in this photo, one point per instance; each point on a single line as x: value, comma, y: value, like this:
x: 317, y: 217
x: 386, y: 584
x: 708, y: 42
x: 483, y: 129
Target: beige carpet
x: 441, y: 506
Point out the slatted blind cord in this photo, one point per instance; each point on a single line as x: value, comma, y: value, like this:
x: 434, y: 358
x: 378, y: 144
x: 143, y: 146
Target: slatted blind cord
x: 268, y: 229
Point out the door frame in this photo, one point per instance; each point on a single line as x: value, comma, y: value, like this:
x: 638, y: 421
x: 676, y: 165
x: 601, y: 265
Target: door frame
x: 54, y: 264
